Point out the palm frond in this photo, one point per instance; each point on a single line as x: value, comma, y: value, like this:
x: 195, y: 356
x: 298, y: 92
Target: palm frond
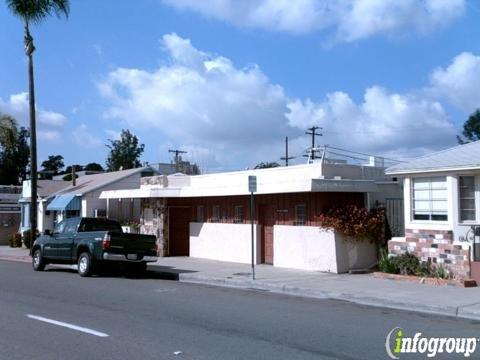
x: 34, y: 11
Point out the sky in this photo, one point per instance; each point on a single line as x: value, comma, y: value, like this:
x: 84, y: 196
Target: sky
x: 227, y: 80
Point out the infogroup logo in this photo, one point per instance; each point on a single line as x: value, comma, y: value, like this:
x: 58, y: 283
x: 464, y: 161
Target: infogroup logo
x: 397, y: 343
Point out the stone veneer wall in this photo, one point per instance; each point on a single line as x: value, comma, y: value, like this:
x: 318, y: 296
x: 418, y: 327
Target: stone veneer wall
x: 154, y: 221
x: 435, y: 246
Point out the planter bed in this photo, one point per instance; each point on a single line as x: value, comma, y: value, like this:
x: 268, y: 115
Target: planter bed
x: 426, y: 280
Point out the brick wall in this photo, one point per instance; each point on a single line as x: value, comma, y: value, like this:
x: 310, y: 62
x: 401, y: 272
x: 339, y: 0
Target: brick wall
x: 435, y: 246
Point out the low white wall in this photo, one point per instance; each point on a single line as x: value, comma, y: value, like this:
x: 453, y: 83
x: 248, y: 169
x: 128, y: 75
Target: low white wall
x: 314, y: 248
x: 304, y: 247
x: 224, y: 242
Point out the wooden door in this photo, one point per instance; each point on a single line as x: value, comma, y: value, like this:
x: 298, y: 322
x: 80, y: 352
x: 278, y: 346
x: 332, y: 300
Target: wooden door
x: 266, y: 220
x: 179, y: 231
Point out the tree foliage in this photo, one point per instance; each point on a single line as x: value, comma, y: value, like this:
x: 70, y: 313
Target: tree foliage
x: 124, y: 153
x: 14, y: 151
x: 53, y: 165
x: 68, y: 169
x: 93, y: 167
x: 266, y: 165
x: 471, y: 129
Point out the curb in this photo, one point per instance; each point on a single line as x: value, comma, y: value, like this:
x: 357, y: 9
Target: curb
x: 450, y: 311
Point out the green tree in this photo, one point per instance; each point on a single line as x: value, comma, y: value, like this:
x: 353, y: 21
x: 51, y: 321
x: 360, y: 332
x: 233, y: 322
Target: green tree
x: 266, y: 165
x: 14, y: 151
x: 68, y: 169
x: 124, y: 153
x: 53, y: 165
x: 33, y: 12
x: 93, y: 167
x: 471, y: 129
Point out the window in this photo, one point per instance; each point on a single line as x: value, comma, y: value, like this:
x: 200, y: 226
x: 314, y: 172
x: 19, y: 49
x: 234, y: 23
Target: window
x: 70, y: 226
x: 200, y: 214
x: 216, y: 213
x: 429, y: 199
x: 238, y: 214
x: 466, y: 194
x: 300, y: 214
x: 59, y: 227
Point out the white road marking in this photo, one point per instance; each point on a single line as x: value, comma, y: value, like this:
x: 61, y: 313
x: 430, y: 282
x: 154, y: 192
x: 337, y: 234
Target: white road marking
x: 67, y: 325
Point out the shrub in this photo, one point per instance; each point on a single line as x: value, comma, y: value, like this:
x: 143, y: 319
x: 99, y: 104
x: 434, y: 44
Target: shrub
x: 386, y: 263
x: 425, y: 269
x: 27, y: 239
x: 408, y: 264
x: 441, y: 273
x: 356, y: 223
x: 15, y: 240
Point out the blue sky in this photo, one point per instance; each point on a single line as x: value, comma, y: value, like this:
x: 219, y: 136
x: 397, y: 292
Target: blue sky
x: 227, y: 80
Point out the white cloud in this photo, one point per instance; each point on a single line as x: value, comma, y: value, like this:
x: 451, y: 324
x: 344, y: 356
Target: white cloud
x: 113, y: 134
x: 459, y: 82
x: 83, y: 138
x: 49, y: 135
x: 236, y: 115
x: 349, y: 19
x: 50, y: 124
x: 382, y: 122
x: 198, y: 98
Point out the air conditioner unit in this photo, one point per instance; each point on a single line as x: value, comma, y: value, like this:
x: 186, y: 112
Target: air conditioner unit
x: 100, y: 213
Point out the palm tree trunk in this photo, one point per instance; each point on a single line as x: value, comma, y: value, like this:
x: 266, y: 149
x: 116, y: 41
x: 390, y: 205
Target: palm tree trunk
x: 29, y: 49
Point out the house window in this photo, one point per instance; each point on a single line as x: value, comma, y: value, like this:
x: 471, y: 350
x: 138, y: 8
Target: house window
x: 216, y: 213
x: 300, y: 214
x: 200, y: 213
x: 238, y: 214
x: 466, y: 194
x: 429, y: 199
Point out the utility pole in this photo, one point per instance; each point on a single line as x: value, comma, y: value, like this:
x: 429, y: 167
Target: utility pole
x: 312, y: 131
x: 286, y: 157
x: 177, y: 156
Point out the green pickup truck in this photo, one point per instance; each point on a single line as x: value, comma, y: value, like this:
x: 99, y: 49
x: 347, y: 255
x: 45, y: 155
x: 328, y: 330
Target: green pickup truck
x: 90, y: 242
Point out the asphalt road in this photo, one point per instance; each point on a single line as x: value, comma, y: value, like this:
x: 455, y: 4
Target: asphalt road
x: 150, y: 318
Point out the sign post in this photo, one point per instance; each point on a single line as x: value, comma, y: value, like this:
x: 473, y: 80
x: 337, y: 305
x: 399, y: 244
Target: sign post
x: 252, y: 188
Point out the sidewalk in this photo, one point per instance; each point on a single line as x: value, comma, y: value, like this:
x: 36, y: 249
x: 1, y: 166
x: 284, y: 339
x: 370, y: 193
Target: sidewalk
x: 361, y: 289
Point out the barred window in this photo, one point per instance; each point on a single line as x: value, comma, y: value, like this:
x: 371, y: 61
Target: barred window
x: 238, y: 214
x: 466, y: 194
x: 300, y: 214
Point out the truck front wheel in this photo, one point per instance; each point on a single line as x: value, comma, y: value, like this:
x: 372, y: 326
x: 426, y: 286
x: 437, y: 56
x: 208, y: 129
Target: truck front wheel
x: 38, y: 262
x: 85, y: 267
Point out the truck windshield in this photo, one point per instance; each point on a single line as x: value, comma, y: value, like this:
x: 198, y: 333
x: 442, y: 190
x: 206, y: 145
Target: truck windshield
x: 99, y: 225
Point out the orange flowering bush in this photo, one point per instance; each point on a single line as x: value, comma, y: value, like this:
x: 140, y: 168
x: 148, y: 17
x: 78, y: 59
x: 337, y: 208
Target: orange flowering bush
x: 356, y: 223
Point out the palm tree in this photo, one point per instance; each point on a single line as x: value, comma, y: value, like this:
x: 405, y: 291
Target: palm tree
x: 34, y: 12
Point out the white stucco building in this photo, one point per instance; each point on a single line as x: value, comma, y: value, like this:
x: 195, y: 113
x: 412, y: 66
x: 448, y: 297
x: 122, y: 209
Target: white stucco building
x: 208, y: 216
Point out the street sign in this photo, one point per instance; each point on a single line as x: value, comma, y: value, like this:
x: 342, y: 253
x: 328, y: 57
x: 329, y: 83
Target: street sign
x: 252, y: 183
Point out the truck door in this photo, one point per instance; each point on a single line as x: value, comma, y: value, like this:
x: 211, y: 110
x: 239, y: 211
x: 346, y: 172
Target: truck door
x: 50, y: 248
x: 65, y: 239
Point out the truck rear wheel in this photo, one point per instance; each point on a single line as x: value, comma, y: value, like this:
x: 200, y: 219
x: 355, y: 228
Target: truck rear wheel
x: 85, y: 266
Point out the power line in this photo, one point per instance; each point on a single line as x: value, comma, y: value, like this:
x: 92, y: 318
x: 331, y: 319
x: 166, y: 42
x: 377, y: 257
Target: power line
x: 359, y: 153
